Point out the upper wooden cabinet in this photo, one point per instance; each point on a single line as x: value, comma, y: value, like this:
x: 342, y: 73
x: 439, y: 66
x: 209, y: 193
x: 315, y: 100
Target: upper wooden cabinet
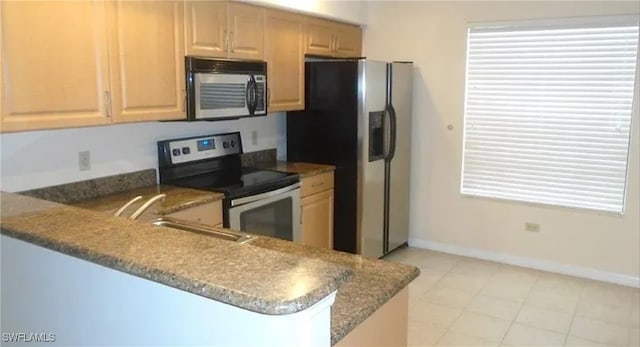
x: 77, y: 63
x: 284, y: 37
x: 222, y: 29
x: 246, y: 31
x: 206, y: 28
x: 320, y: 37
x: 67, y: 64
x: 348, y: 41
x: 54, y: 67
x: 326, y: 38
x: 146, y: 42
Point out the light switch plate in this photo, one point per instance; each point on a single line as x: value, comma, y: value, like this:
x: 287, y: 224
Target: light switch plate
x: 532, y: 227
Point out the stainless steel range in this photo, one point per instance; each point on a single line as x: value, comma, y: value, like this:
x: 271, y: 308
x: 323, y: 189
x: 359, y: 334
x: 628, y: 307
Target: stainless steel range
x: 263, y: 202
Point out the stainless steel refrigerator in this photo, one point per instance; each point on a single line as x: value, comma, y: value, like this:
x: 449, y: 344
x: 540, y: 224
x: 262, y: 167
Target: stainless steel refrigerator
x: 358, y: 117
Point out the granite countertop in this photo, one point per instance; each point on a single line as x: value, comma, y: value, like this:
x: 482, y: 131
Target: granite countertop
x: 257, y: 276
x: 177, y: 199
x: 374, y: 282
x: 302, y: 169
x: 253, y: 278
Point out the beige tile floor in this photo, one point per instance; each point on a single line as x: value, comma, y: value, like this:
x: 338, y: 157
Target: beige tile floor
x: 459, y: 301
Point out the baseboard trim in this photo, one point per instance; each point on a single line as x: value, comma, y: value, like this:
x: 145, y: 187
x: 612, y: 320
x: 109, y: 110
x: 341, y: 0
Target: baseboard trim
x: 531, y: 263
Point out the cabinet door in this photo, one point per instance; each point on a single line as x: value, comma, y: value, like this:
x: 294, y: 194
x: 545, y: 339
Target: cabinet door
x: 146, y: 48
x: 206, y: 28
x: 246, y: 31
x: 284, y: 39
x: 54, y: 64
x: 385, y: 327
x: 209, y: 214
x: 317, y: 219
x: 320, y: 38
x: 348, y: 41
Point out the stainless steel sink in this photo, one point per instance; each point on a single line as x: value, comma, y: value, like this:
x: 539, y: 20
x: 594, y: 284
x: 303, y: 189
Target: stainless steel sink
x: 228, y: 235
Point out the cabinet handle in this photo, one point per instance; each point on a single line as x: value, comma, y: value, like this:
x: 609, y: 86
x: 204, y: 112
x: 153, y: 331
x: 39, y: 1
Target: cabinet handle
x: 225, y: 44
x: 232, y: 43
x: 333, y: 43
x: 107, y: 103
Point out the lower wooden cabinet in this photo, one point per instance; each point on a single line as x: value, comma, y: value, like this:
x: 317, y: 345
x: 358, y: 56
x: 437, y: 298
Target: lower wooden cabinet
x: 317, y: 219
x: 208, y: 214
x: 385, y: 327
x: 317, y: 210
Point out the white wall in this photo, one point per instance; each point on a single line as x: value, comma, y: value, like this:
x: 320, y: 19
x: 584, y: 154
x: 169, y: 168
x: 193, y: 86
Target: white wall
x: 43, y: 158
x: 84, y: 303
x: 351, y: 11
x: 433, y: 34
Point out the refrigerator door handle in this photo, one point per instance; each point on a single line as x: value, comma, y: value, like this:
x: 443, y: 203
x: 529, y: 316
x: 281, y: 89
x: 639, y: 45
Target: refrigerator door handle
x: 393, y: 128
x: 386, y: 121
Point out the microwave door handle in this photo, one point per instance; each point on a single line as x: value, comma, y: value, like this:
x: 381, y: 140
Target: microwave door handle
x: 253, y: 100
x: 247, y: 96
x: 255, y: 95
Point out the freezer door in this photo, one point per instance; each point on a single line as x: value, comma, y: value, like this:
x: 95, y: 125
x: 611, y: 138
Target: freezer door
x: 371, y: 106
x: 401, y: 99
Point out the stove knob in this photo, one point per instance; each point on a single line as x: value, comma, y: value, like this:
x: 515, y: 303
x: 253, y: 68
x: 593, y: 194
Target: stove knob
x: 225, y: 144
x: 186, y: 150
x: 176, y: 152
x: 233, y: 143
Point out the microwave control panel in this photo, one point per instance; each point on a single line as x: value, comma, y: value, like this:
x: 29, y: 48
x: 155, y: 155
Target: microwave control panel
x: 202, y: 147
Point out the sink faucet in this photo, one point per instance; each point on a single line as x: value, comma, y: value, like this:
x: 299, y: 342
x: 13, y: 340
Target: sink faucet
x: 146, y: 205
x: 125, y: 206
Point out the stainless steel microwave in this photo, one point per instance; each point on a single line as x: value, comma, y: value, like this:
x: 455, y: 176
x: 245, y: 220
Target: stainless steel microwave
x: 225, y: 89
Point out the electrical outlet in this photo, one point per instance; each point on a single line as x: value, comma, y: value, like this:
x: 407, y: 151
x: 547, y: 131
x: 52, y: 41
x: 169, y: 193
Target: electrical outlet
x: 532, y: 227
x: 254, y: 137
x: 84, y: 160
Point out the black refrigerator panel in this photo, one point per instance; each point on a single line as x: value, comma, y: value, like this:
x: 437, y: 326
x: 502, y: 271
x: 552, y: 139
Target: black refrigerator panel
x: 326, y: 132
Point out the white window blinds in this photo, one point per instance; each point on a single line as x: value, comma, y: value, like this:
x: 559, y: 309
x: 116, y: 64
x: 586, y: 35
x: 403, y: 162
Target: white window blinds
x: 548, y: 112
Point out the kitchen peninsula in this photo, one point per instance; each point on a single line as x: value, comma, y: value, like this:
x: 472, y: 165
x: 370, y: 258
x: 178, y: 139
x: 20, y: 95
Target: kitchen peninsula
x: 88, y: 276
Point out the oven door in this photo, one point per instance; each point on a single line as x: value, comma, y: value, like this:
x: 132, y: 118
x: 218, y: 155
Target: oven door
x: 275, y: 213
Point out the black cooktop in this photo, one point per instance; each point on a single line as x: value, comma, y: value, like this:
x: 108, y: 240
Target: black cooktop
x: 249, y: 181
x: 212, y: 162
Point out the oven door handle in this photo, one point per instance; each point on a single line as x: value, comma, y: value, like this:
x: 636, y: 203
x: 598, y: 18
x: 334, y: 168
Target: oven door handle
x: 252, y: 198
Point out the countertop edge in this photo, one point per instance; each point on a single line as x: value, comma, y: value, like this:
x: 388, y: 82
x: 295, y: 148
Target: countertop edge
x: 173, y: 280
x: 303, y: 169
x: 26, y: 219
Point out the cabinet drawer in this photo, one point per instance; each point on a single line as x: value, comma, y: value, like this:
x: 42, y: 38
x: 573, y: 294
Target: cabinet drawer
x: 315, y: 184
x: 208, y: 214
